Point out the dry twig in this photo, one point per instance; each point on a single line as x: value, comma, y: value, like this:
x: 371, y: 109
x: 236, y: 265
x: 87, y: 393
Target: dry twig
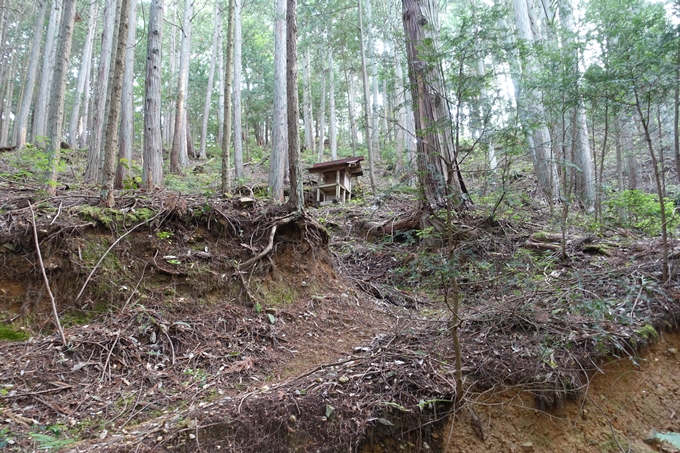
x: 47, y: 282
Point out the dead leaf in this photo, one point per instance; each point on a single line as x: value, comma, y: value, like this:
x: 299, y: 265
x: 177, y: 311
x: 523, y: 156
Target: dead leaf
x: 241, y: 365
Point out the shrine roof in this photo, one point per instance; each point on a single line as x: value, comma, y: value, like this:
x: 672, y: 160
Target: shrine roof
x: 351, y: 163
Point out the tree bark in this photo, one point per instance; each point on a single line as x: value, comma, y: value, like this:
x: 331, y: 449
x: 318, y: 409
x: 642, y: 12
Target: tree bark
x: 101, y: 96
x: 410, y: 132
x: 370, y: 47
x: 386, y: 110
x: 481, y: 117
x: 127, y: 130
x: 619, y: 157
x: 152, y: 174
x: 58, y: 91
x: 580, y: 145
x: 178, y: 154
x: 307, y: 101
x: 42, y: 104
x: 220, y: 87
x: 211, y: 76
x: 229, y: 66
x: 401, y: 112
x: 349, y: 76
x: 296, y: 199
x: 7, y: 110
x: 642, y: 105
x: 676, y: 110
x: 332, y: 117
x: 31, y: 75
x: 238, y: 120
x: 438, y: 169
x: 85, y: 63
x: 321, y: 122
x: 175, y: 31
x: 531, y: 111
x: 279, y: 132
x: 111, y: 137
x: 368, y: 113
x: 86, y: 120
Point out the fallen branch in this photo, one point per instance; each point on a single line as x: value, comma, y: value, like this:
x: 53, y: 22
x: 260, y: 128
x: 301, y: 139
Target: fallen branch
x: 541, y: 246
x: 47, y: 282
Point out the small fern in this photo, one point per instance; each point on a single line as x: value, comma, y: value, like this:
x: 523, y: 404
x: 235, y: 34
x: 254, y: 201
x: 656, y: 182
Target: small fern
x: 46, y: 442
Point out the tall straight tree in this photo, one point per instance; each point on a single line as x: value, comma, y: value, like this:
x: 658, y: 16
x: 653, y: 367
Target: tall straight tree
x: 178, y: 153
x: 401, y: 111
x: 31, y: 74
x: 86, y: 119
x: 277, y: 169
x: 211, y: 76
x: 238, y: 65
x: 175, y: 33
x: 368, y: 114
x: 101, y: 96
x: 152, y: 173
x: 676, y: 108
x: 220, y: 85
x: 370, y: 48
x: 111, y: 140
x: 55, y: 117
x: 439, y: 177
x: 321, y: 123
x: 7, y: 111
x: 349, y: 77
x: 127, y: 129
x: 578, y: 128
x: 411, y: 140
x: 531, y: 111
x: 332, y: 116
x: 482, y: 113
x: 228, y: 73
x: 49, y: 60
x: 296, y: 199
x: 85, y: 63
x: 307, y: 100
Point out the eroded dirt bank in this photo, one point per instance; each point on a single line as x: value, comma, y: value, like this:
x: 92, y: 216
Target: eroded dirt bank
x: 621, y: 407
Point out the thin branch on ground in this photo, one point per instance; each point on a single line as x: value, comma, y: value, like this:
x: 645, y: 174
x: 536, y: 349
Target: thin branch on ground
x: 47, y: 282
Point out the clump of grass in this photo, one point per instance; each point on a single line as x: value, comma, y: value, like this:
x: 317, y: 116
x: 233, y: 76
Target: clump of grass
x: 9, y: 333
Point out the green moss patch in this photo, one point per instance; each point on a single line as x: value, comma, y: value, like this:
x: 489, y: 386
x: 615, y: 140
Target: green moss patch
x: 111, y: 217
x: 9, y: 333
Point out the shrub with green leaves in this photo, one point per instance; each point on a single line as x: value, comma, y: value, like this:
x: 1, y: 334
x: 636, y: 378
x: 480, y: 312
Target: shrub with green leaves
x: 640, y: 210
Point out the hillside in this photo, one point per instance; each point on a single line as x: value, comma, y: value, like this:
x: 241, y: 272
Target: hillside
x: 193, y: 325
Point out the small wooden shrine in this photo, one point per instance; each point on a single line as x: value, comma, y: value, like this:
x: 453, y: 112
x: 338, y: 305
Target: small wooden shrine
x: 335, y: 185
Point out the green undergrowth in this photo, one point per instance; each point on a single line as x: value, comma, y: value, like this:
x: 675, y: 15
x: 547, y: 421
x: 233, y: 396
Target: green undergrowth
x: 11, y: 333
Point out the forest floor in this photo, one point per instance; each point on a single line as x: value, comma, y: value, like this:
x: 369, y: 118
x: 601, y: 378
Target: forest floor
x: 186, y: 332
